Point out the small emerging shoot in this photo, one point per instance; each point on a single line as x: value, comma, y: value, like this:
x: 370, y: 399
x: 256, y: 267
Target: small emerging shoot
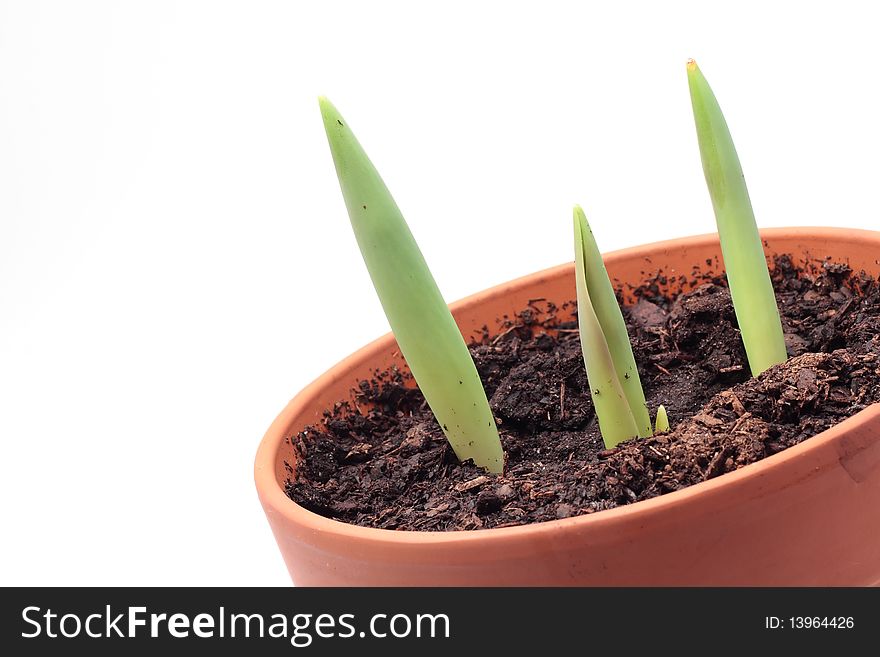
x: 614, y: 380
x: 744, y: 260
x: 425, y: 330
x: 661, y: 422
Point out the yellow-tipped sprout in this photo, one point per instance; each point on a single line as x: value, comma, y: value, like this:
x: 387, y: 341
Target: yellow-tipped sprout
x: 425, y: 330
x: 744, y: 260
x: 611, y: 370
x: 661, y: 422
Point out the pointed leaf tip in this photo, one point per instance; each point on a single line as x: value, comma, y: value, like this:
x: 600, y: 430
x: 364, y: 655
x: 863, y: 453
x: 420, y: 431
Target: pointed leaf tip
x: 329, y: 112
x: 691, y: 65
x: 325, y: 104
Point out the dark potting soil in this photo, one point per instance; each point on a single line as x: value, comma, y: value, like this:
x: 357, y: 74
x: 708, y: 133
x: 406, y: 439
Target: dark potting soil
x: 391, y: 466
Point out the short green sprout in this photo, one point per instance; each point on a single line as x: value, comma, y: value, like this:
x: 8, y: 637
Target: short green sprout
x: 661, y: 422
x: 616, y: 390
x: 744, y: 260
x: 425, y: 330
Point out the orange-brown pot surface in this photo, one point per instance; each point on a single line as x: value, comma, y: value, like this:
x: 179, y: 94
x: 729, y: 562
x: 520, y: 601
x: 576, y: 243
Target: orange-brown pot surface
x: 809, y: 515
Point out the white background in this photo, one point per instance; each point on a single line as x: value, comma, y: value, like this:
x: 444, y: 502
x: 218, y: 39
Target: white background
x: 175, y: 257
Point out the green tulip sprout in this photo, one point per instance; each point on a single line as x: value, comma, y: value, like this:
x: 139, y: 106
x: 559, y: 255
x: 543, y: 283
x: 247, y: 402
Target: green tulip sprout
x: 744, y: 260
x: 425, y: 330
x: 611, y: 368
x: 661, y: 422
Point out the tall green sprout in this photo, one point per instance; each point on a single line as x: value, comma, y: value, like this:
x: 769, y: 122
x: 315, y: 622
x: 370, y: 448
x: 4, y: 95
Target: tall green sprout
x: 744, y: 260
x: 611, y: 368
x: 425, y: 330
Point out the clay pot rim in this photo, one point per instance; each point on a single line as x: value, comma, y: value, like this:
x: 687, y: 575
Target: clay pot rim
x: 273, y: 496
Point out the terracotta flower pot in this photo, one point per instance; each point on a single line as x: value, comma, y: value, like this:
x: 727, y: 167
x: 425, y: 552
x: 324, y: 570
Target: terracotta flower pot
x: 809, y: 515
